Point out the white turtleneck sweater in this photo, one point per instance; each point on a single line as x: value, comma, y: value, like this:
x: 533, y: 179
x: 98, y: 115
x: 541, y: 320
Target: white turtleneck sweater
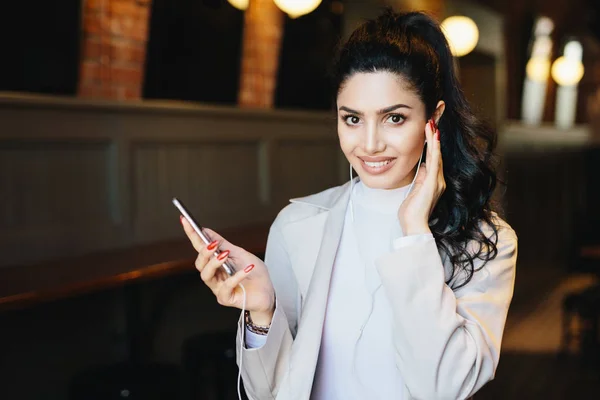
x: 357, y: 356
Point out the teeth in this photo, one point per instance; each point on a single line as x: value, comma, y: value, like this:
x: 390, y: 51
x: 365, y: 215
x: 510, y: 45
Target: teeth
x: 377, y: 164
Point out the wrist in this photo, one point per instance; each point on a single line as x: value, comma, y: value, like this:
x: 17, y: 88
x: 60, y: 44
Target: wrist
x: 260, y: 318
x: 263, y: 318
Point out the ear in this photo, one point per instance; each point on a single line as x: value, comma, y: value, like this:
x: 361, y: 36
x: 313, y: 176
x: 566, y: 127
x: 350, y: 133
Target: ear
x: 439, y: 110
x: 437, y: 113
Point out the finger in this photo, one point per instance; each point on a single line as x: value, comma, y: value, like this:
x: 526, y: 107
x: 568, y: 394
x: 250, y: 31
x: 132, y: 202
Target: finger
x: 421, y: 174
x: 197, y: 242
x: 429, y: 133
x: 205, y: 255
x: 228, y: 287
x: 208, y: 273
x: 441, y: 178
x: 223, y: 243
x: 439, y: 147
x: 434, y: 165
x: 440, y: 162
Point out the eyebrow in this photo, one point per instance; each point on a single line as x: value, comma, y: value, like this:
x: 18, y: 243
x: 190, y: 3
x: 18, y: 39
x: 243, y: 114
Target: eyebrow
x: 382, y: 111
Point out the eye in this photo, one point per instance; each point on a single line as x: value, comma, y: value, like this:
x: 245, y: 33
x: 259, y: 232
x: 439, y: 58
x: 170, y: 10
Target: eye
x: 351, y: 119
x: 396, y: 119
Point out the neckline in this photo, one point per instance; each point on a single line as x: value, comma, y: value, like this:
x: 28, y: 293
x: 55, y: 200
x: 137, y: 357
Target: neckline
x: 383, y: 200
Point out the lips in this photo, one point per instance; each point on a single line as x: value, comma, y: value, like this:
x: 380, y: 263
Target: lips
x: 377, y: 165
x: 376, y: 159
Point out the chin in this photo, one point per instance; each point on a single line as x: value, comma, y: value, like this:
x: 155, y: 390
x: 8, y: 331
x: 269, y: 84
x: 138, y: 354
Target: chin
x: 383, y: 181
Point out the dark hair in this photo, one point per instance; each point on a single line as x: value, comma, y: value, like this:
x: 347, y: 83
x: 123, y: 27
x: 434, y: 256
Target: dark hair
x: 413, y: 46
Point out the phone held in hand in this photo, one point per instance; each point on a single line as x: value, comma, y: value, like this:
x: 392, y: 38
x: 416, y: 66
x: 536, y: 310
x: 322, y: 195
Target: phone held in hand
x: 187, y: 215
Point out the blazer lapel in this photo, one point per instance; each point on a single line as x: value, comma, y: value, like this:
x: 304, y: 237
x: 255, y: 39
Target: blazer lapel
x: 305, y: 351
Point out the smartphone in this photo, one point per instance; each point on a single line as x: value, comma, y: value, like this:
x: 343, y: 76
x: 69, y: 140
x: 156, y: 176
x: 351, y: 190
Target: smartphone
x: 187, y: 215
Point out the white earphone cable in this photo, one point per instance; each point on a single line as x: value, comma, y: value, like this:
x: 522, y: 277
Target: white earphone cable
x: 241, y: 340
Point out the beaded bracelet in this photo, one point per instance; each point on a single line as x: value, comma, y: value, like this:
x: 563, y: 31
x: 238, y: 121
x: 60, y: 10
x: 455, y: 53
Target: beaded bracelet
x: 257, y: 329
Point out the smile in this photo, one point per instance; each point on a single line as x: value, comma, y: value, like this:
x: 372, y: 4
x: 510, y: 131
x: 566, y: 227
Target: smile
x: 377, y: 166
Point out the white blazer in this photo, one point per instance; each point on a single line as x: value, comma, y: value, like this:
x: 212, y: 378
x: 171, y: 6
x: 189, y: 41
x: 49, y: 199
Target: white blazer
x: 447, y: 343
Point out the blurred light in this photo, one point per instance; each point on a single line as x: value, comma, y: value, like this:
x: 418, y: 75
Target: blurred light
x: 538, y: 69
x: 567, y: 72
x: 297, y: 8
x: 462, y: 34
x: 537, y: 72
x: 568, y: 69
x: 543, y: 27
x: 542, y: 47
x: 239, y: 4
x: 574, y: 50
x: 538, y: 66
x: 337, y: 7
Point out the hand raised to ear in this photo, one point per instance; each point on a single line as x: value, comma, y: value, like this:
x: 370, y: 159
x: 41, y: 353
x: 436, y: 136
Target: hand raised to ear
x: 429, y: 185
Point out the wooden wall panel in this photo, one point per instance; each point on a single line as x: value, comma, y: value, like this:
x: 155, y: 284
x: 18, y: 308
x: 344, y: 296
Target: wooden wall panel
x: 302, y: 168
x: 80, y: 175
x: 53, y: 195
x: 48, y: 183
x: 217, y: 181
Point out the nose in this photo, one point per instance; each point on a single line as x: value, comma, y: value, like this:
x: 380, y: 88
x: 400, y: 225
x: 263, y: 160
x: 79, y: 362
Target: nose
x: 373, y: 141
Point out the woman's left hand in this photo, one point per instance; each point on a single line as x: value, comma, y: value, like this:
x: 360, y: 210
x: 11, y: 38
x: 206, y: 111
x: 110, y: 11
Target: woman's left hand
x: 429, y: 185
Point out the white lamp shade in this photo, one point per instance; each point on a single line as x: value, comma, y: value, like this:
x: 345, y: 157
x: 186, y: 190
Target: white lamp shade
x: 567, y: 72
x: 543, y: 26
x: 538, y: 69
x: 574, y: 50
x: 462, y: 34
x: 297, y: 8
x: 239, y: 4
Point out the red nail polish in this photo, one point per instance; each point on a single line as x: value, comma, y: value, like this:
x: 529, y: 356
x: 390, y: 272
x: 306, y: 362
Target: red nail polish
x: 437, y: 134
x: 434, y: 125
x: 223, y: 255
x: 431, y: 125
x: 212, y: 245
x: 249, y: 268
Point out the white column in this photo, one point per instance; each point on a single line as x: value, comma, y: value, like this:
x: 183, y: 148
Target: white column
x: 566, y: 106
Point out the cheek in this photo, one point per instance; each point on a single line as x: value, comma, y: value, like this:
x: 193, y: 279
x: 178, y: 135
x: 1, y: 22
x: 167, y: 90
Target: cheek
x: 348, y: 140
x: 406, y: 144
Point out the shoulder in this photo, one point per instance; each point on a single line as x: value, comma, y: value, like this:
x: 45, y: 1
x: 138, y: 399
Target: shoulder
x: 497, y: 270
x: 498, y: 232
x: 308, y: 206
x: 506, y: 235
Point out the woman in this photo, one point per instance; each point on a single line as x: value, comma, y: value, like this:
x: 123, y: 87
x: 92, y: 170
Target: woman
x: 397, y: 284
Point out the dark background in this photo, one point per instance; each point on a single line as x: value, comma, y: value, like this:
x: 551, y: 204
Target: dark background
x: 194, y: 50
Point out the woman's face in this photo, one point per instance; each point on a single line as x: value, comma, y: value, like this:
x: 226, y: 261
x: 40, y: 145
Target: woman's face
x: 381, y: 127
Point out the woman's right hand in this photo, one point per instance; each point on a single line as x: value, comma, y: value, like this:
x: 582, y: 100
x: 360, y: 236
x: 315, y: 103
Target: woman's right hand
x: 251, y: 271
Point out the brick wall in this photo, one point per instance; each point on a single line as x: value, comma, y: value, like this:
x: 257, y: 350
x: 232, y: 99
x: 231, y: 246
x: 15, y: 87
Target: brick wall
x: 263, y: 29
x: 114, y: 36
